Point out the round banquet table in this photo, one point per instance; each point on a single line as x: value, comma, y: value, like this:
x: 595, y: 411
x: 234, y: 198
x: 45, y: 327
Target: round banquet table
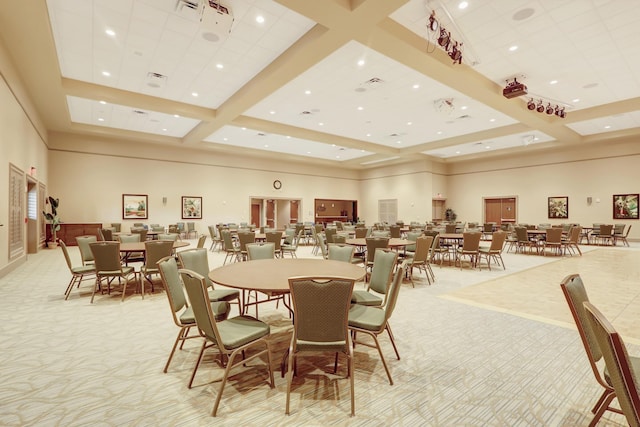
x: 393, y: 242
x: 139, y: 246
x: 272, y: 275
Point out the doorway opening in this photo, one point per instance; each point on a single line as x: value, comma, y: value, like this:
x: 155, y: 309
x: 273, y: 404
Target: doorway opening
x: 274, y: 212
x: 501, y: 210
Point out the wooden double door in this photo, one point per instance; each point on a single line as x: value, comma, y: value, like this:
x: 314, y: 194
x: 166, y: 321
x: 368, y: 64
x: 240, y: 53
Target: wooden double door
x: 501, y: 210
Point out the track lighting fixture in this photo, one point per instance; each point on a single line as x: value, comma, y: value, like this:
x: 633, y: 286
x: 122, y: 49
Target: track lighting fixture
x: 550, y: 109
x: 560, y: 112
x: 531, y: 105
x: 540, y: 107
x: 452, y: 47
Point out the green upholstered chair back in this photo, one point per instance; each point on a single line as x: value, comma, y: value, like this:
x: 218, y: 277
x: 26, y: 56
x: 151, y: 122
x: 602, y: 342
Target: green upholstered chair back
x: 321, y: 312
x: 261, y: 251
x: 380, y: 233
x: 329, y: 234
x: 412, y: 236
x: 106, y: 257
x: 172, y: 284
x: 85, y: 251
x: 361, y: 232
x: 212, y: 232
x: 323, y: 245
x: 619, y: 366
x: 196, y: 260
x: 170, y: 236
x: 196, y: 287
x: 574, y: 234
x: 339, y: 239
x: 191, y: 226
x: 244, y: 238
x: 289, y: 236
x: 384, y: 262
x: 618, y: 228
x: 339, y: 252
x: 576, y: 295
x: 156, y: 250
x: 394, y: 231
x: 65, y: 251
x: 129, y: 238
x: 394, y: 291
x: 141, y: 231
x: 117, y: 227
x: 181, y: 227
x: 227, y: 240
x: 157, y: 228
x: 201, y: 241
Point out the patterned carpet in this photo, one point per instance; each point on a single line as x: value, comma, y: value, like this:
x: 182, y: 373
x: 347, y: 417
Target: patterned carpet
x: 72, y: 363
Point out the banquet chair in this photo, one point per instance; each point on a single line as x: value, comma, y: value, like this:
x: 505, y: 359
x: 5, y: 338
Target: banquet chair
x: 78, y: 274
x: 109, y: 267
x: 182, y: 229
x: 215, y: 237
x: 191, y: 229
x: 181, y: 312
x: 342, y: 253
x: 117, y: 227
x: 275, y: 237
x: 243, y: 239
x: 494, y: 251
x: 570, y: 245
x: 260, y: 250
x: 622, y: 237
x: 257, y: 251
x: 576, y: 296
x: 292, y: 248
x: 155, y: 250
x: 394, y: 231
x: 230, y: 337
x: 85, y: 251
x: 322, y: 245
x: 231, y: 250
x: 107, y: 234
x: 420, y: 258
x: 374, y: 243
x: 201, y: 240
x: 553, y: 240
x: 141, y: 231
x: 361, y: 232
x: 373, y: 321
x: 381, y: 274
x: 197, y: 260
x: 620, y: 367
x: 321, y: 314
x: 470, y: 248
x: 329, y: 234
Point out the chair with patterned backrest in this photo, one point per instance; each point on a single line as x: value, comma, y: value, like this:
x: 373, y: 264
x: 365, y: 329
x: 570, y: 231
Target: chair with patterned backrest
x: 570, y: 245
x: 576, y: 296
x: 420, y: 258
x: 107, y: 234
x: 230, y: 337
x: 141, y: 231
x: 322, y: 245
x: 231, y: 250
x: 339, y: 252
x: 494, y: 251
x: 117, y: 227
x: 329, y: 234
x: 169, y: 236
x: 622, y: 237
x: 109, y: 267
x: 394, y: 231
x: 620, y: 367
x: 374, y: 243
x: 373, y: 321
x: 361, y: 232
x: 244, y: 238
x: 191, y: 230
x: 85, y: 251
x: 261, y: 250
x: 201, y: 241
x: 381, y: 274
x: 197, y: 260
x: 78, y: 274
x: 553, y: 240
x: 155, y: 250
x: 470, y: 248
x: 321, y: 318
x: 157, y: 228
x: 292, y: 248
x: 180, y: 310
x: 216, y: 240
x: 257, y: 251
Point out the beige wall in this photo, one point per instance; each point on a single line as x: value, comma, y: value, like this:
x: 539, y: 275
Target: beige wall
x: 22, y: 143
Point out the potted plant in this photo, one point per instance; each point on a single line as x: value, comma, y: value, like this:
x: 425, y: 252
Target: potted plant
x: 53, y: 220
x: 450, y: 215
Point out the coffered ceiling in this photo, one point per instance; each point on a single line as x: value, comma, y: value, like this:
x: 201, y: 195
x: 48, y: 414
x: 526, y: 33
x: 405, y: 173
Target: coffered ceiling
x: 353, y: 83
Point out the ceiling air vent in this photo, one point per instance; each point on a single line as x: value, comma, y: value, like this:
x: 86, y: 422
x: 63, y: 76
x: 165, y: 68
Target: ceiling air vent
x: 156, y: 80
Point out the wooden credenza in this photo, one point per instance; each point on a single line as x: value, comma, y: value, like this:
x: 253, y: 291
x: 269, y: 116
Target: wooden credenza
x: 69, y: 231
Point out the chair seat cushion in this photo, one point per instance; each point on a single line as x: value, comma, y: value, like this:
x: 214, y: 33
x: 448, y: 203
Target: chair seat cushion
x: 83, y: 269
x: 223, y: 294
x: 220, y: 310
x: 368, y: 318
x: 365, y: 298
x: 240, y: 330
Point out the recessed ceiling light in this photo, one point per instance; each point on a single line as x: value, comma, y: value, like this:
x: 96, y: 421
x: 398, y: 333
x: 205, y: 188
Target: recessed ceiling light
x: 409, y: 123
x: 103, y: 102
x: 398, y: 142
x: 488, y: 147
x: 308, y: 152
x: 463, y: 5
x: 457, y: 152
x: 225, y: 139
x: 416, y: 86
x: 552, y: 82
x: 288, y: 137
x: 100, y: 119
x: 164, y: 129
x: 194, y: 94
x: 259, y: 19
x: 607, y: 127
x: 106, y: 73
x: 266, y: 145
x: 333, y: 145
x: 368, y: 134
x: 243, y: 128
x: 439, y: 132
x: 337, y: 157
x: 575, y: 100
x: 307, y: 92
x: 362, y: 151
x: 110, y: 32
x: 361, y: 63
x: 360, y: 108
x: 464, y: 107
x: 492, y: 120
x: 219, y: 66
x: 513, y: 48
x: 320, y: 124
x: 176, y: 115
x: 272, y: 112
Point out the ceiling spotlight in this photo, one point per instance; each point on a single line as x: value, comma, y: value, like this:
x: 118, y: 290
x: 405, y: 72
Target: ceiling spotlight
x: 560, y: 112
x: 550, y: 109
x: 444, y: 39
x: 531, y: 105
x: 456, y: 53
x: 540, y: 107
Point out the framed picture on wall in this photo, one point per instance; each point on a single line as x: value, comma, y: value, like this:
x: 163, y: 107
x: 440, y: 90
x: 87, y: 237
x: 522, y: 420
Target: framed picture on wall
x: 191, y: 207
x: 625, y: 206
x: 558, y: 207
x: 134, y: 206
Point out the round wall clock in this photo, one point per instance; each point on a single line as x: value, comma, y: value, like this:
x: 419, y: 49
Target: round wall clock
x: 277, y: 184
